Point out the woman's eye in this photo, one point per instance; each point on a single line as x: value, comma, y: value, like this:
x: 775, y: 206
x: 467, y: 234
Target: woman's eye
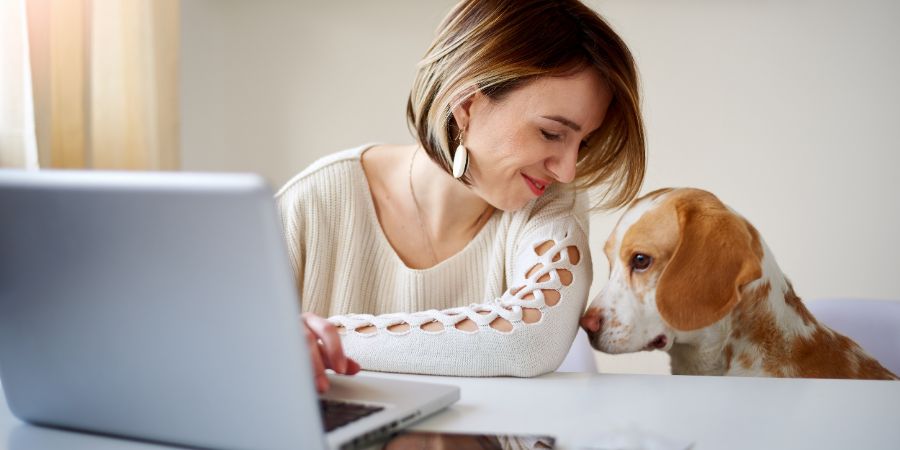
x: 641, y: 262
x: 550, y: 136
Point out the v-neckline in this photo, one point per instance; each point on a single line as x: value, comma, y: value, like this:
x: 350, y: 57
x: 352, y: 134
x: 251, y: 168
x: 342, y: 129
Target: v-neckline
x: 382, y: 236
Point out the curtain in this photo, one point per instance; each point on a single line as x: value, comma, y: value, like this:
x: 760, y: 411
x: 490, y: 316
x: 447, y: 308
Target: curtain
x: 18, y: 146
x: 105, y: 76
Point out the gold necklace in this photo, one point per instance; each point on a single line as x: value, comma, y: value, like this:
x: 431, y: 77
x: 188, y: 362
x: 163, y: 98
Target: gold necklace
x: 434, y: 258
x: 484, y: 217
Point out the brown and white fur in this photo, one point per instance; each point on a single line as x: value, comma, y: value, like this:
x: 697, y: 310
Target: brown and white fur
x: 709, y: 292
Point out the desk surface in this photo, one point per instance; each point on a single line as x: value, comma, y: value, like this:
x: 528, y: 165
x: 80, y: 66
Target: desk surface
x: 711, y: 412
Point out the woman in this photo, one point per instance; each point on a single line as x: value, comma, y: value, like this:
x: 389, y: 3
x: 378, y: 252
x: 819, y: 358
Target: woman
x: 479, y: 229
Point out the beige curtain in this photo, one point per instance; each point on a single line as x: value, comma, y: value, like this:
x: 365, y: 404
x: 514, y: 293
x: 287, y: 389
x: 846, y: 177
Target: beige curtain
x: 17, y: 139
x: 105, y: 78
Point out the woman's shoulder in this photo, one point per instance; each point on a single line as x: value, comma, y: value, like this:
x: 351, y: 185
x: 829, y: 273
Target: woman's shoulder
x: 335, y: 167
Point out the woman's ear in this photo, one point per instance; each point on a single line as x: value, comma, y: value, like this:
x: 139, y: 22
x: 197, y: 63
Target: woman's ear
x: 713, y: 261
x: 462, y: 109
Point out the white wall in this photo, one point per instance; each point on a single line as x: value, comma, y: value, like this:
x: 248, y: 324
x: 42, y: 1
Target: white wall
x: 785, y: 109
x: 270, y: 86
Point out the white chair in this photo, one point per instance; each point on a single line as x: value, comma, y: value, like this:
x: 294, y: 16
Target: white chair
x: 873, y: 324
x: 580, y: 357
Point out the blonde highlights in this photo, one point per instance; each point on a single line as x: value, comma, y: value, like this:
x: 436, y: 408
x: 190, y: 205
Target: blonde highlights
x: 496, y: 46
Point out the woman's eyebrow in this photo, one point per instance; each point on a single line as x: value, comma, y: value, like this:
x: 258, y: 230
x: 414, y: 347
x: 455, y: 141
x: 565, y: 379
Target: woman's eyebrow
x: 565, y: 122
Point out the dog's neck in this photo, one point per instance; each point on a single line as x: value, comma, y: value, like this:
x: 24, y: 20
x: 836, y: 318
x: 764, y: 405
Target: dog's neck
x: 700, y: 352
x: 754, y: 332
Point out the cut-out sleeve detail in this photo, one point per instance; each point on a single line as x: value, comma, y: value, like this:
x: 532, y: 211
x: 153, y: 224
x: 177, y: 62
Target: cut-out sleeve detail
x: 550, y: 286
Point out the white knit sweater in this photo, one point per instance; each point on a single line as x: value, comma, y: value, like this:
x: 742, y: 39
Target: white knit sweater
x: 346, y: 269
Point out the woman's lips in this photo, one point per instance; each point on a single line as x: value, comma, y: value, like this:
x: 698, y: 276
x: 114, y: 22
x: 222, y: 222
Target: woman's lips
x: 537, y: 186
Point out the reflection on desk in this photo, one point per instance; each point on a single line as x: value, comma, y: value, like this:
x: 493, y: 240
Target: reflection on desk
x: 712, y: 412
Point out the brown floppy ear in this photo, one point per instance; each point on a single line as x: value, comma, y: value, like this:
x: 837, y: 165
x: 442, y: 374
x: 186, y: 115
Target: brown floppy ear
x: 713, y: 261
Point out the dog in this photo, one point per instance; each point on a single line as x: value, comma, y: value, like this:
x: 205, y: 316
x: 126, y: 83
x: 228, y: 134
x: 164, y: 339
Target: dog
x: 691, y: 277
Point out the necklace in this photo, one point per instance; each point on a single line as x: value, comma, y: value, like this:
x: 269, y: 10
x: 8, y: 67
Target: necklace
x: 478, y: 224
x: 434, y: 258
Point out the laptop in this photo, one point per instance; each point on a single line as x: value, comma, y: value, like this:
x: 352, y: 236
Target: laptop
x: 162, y: 307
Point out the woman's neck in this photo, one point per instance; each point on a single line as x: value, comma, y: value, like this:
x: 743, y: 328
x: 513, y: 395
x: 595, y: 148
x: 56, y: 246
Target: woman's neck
x: 449, y: 209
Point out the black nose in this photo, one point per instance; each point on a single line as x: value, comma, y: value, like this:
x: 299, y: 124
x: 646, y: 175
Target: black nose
x: 659, y: 342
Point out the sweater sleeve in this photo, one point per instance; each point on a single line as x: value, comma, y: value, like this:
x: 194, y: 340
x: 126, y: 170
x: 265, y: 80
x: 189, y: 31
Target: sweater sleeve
x: 549, y: 283
x: 287, y: 203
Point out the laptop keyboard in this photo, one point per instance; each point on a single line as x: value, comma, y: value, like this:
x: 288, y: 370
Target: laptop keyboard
x: 337, y: 414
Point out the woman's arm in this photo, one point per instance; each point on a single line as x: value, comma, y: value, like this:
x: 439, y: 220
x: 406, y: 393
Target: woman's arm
x: 322, y: 340
x: 526, y: 332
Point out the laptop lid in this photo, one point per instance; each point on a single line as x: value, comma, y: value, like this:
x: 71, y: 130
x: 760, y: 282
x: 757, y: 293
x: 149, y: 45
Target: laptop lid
x: 154, y: 305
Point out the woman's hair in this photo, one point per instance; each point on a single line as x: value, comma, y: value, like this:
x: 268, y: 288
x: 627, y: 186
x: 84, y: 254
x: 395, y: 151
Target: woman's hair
x: 496, y: 46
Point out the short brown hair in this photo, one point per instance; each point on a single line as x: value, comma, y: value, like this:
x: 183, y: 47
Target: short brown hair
x: 496, y: 46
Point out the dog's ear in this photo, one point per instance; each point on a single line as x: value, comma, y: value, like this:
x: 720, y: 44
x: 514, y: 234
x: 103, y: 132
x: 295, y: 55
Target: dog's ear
x: 712, y: 262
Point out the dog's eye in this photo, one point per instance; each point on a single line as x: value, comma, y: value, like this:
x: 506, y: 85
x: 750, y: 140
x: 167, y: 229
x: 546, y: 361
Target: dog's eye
x: 640, y: 262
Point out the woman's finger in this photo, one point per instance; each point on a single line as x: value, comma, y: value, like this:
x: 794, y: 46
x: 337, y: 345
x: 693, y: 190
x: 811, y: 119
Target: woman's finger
x: 353, y: 367
x: 318, y: 365
x: 331, y: 342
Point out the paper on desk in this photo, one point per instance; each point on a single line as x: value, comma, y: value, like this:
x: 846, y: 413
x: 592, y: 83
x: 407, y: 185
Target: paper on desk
x: 631, y: 439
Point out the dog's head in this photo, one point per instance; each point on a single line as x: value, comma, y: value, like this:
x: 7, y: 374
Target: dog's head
x: 678, y: 260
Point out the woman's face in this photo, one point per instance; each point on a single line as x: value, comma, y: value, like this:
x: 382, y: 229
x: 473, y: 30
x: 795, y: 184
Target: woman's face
x: 520, y: 145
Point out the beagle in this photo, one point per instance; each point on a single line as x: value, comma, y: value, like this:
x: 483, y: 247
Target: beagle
x: 691, y: 277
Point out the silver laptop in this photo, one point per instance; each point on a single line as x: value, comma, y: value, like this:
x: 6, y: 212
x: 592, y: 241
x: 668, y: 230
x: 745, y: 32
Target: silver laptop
x: 161, y: 306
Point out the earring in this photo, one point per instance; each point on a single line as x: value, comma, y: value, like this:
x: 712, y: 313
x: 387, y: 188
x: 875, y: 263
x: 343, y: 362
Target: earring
x: 460, y: 159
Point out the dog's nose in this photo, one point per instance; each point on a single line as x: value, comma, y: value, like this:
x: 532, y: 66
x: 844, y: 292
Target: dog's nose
x: 591, y: 320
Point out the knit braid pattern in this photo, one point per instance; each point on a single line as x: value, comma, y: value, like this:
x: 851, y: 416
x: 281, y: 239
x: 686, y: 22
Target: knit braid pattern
x: 554, y: 283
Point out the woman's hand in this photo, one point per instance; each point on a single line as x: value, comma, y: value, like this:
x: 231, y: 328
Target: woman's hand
x: 325, y: 350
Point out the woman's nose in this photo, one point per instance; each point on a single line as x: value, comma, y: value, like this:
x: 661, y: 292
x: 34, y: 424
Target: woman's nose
x: 562, y: 167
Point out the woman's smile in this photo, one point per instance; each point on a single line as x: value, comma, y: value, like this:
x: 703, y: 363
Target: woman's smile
x: 537, y: 185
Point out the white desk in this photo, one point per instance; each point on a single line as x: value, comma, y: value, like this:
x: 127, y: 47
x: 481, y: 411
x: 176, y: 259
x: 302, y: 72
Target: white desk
x: 713, y: 412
